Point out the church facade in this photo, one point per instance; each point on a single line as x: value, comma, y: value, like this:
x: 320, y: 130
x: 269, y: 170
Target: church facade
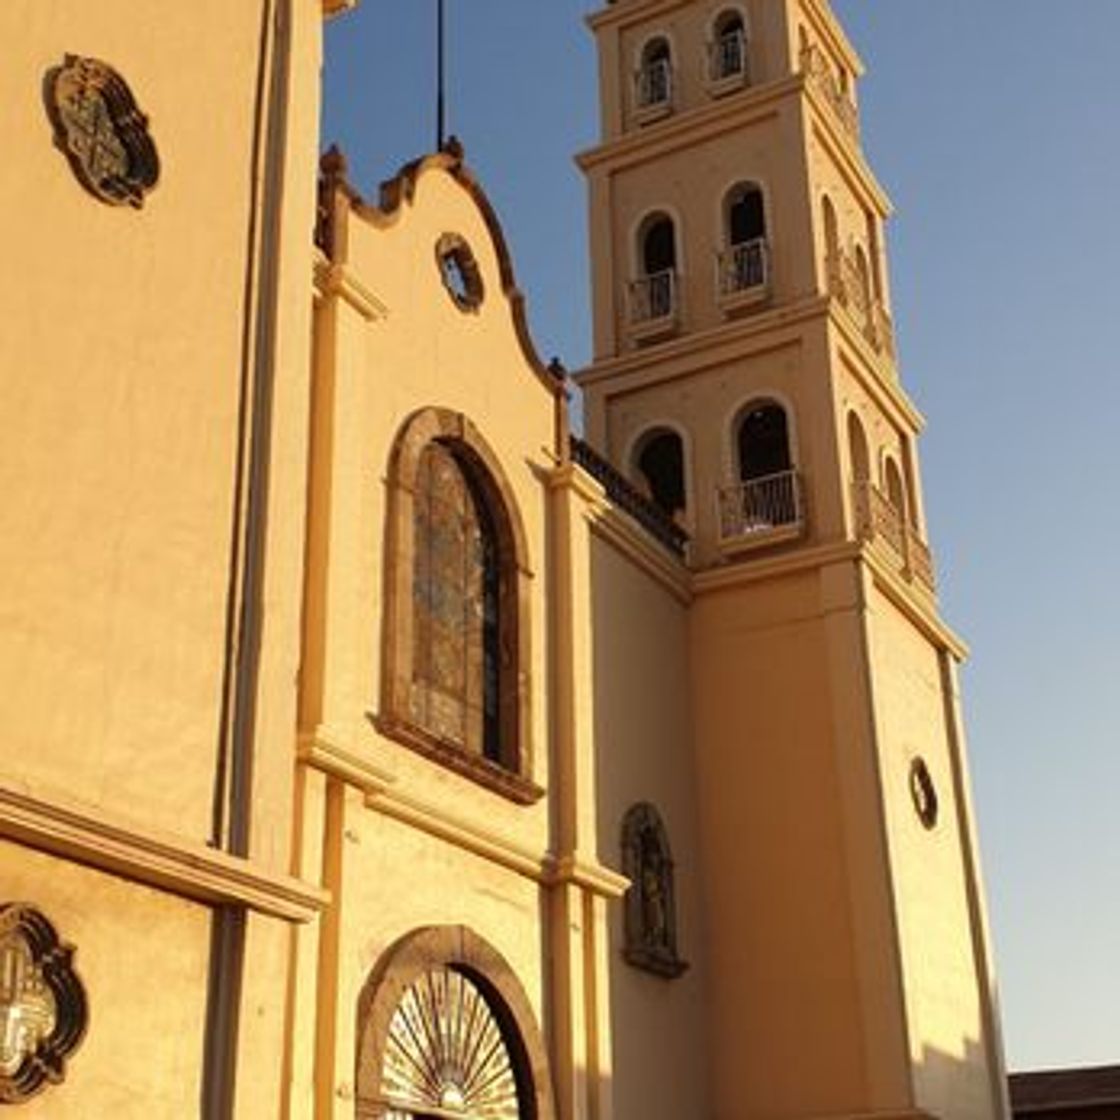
x: 381, y: 747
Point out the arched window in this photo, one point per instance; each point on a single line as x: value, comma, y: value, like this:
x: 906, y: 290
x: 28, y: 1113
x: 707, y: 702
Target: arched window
x: 729, y: 48
x: 659, y: 461
x: 658, y: 245
x: 896, y: 492
x: 858, y: 454
x: 655, y: 75
x: 650, y: 917
x: 763, y: 442
x: 445, y: 1029
x: 831, y: 244
x: 746, y: 215
x: 746, y: 261
x: 456, y: 627
x: 863, y: 279
x: 654, y: 294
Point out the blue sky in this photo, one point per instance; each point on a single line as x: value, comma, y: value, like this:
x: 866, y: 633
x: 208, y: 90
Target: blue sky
x: 994, y: 127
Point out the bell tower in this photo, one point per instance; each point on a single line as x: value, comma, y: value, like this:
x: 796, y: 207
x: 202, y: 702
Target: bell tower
x: 745, y: 377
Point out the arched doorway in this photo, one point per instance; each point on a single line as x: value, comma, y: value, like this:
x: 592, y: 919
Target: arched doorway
x: 446, y: 1030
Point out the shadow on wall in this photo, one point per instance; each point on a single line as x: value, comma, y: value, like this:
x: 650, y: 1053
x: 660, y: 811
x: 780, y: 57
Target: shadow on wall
x: 959, y: 1084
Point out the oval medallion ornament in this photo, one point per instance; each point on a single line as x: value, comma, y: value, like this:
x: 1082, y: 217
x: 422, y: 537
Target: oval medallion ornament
x: 42, y: 1004
x: 102, y: 131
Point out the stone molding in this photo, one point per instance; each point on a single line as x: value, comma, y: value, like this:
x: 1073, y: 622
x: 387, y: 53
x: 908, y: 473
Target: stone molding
x: 161, y: 860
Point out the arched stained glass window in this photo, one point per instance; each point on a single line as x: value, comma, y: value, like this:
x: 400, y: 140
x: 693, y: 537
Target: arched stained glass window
x: 456, y: 598
x: 456, y: 664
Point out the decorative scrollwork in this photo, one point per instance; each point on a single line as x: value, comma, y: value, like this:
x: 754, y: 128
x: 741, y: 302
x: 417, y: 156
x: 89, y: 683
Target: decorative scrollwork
x: 99, y: 126
x: 43, y: 1010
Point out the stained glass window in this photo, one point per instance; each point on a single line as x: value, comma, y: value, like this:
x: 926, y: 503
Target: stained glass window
x: 456, y: 595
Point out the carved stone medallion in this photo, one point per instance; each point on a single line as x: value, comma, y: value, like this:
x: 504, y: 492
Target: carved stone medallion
x: 100, y: 128
x: 42, y: 1004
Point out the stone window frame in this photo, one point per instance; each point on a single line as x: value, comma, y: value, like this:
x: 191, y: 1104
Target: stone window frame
x: 463, y: 950
x: 512, y: 777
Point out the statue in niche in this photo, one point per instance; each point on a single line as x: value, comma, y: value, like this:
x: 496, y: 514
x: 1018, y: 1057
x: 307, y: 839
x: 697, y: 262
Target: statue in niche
x: 650, y: 919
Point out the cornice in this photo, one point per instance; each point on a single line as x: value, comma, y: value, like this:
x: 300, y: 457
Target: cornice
x: 621, y: 531
x: 774, y: 567
x: 692, y: 349
x: 824, y: 21
x: 691, y: 126
x: 921, y: 611
x: 917, y: 608
x: 848, y: 155
x: 623, y: 12
x: 867, y: 367
x: 161, y: 860
x: 335, y: 279
x: 332, y: 8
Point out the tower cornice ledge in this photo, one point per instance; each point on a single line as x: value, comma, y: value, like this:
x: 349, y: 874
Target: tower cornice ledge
x: 691, y: 126
x: 684, y: 356
x: 622, y: 12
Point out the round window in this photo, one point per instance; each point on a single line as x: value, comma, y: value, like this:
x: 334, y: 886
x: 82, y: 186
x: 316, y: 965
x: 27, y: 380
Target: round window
x: 459, y: 272
x: 923, y: 793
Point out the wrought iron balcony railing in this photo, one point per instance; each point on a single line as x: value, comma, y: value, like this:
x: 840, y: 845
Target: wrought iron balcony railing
x: 653, y: 88
x: 882, y: 525
x: 744, y: 272
x: 627, y: 497
x: 727, y: 60
x: 654, y: 304
x: 761, y: 511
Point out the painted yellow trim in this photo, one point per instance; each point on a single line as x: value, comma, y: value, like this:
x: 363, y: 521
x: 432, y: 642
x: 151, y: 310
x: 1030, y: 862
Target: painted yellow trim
x: 631, y: 13
x: 169, y: 863
x: 861, y: 361
x: 847, y: 154
x: 696, y: 351
x: 334, y: 279
x: 829, y: 28
x: 593, y: 878
x: 689, y: 127
x: 322, y: 752
x: 917, y: 609
x: 623, y: 533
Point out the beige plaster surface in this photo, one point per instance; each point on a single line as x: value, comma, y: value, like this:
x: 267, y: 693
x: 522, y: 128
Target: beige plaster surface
x: 113, y: 587
x: 645, y: 753
x: 142, y: 958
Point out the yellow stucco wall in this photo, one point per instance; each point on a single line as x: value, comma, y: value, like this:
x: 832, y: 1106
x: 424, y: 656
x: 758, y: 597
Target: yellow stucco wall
x: 948, y: 1039
x: 123, y: 411
x: 789, y: 1039
x: 142, y: 958
x: 644, y: 752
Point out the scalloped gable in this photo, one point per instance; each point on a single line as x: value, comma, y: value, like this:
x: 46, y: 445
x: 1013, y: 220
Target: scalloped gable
x: 339, y: 201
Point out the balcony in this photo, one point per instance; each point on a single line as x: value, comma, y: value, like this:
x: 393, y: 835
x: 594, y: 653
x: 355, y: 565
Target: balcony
x: 727, y: 64
x: 744, y: 274
x: 850, y: 287
x: 653, y: 91
x: 654, y: 306
x: 882, y: 526
x: 760, y: 511
x: 822, y: 78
